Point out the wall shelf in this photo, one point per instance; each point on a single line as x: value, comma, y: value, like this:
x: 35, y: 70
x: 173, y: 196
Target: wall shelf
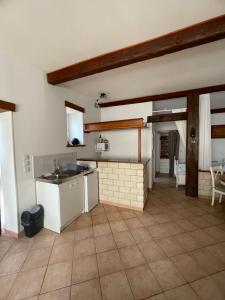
x: 70, y: 146
x: 118, y: 125
x: 114, y: 125
x: 218, y: 132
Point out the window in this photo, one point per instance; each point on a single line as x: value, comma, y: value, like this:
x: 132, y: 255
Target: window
x: 75, y: 127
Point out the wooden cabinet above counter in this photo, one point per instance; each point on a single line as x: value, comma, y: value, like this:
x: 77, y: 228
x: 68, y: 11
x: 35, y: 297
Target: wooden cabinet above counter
x: 114, y: 125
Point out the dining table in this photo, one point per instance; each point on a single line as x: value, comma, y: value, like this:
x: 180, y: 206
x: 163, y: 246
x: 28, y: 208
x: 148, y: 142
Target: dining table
x: 222, y: 179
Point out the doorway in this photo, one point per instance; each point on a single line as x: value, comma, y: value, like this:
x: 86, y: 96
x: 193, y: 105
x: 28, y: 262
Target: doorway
x: 169, y: 142
x: 8, y: 195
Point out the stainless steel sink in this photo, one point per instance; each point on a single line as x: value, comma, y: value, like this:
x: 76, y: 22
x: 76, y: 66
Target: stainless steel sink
x: 61, y: 177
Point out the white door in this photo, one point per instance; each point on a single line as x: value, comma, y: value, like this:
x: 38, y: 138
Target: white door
x: 71, y: 199
x: 92, y: 190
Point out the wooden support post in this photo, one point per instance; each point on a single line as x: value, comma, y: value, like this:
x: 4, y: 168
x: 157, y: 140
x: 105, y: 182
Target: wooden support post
x: 192, y: 149
x: 139, y: 144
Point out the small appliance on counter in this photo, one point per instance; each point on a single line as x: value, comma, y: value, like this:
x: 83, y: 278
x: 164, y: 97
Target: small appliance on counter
x: 102, y: 145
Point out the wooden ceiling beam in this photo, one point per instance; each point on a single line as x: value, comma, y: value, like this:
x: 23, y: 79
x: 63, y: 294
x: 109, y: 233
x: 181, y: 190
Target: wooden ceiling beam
x: 167, y: 117
x: 218, y: 110
x: 198, y: 34
x: 7, y: 106
x: 74, y: 106
x: 166, y: 96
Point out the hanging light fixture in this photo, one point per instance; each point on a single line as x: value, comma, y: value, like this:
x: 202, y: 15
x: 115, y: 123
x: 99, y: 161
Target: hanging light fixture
x: 102, y: 96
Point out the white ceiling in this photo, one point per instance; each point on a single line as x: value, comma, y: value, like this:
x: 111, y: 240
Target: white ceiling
x: 54, y: 33
x: 51, y: 34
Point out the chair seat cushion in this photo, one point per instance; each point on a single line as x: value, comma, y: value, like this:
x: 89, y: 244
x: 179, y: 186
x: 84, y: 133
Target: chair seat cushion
x: 220, y: 187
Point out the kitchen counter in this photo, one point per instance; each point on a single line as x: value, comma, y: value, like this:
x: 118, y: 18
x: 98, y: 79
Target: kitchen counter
x: 115, y: 160
x: 122, y: 182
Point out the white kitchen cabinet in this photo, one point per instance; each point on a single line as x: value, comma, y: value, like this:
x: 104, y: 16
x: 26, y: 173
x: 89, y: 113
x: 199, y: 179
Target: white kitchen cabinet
x: 62, y: 203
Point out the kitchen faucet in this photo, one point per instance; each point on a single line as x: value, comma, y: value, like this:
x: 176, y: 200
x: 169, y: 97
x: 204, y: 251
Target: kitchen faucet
x: 57, y: 169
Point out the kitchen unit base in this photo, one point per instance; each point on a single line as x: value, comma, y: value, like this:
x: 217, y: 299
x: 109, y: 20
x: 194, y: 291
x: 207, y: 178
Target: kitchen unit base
x: 123, y: 184
x: 62, y: 203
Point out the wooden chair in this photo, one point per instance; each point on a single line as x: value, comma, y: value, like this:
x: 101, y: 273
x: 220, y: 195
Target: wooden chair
x: 217, y: 187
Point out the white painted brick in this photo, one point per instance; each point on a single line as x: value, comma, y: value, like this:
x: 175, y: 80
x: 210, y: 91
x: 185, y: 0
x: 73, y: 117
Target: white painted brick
x: 102, y: 175
x: 102, y: 164
x: 132, y: 197
x: 108, y: 193
x: 124, y: 177
x: 108, y: 170
x: 130, y: 184
x: 113, y: 165
x: 119, y: 171
x: 137, y: 178
x: 140, y: 185
x: 103, y: 187
x: 119, y: 182
x: 104, y: 192
x: 140, y: 198
x: 113, y: 176
x: 207, y: 188
x: 137, y: 192
x: 124, y: 189
x: 107, y: 181
x: 137, y: 166
x: 113, y: 188
x: 139, y: 173
x: 130, y: 172
x: 124, y: 166
x: 119, y: 195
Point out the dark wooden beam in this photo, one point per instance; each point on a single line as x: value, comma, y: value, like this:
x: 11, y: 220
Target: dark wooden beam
x: 74, y: 106
x: 166, y: 96
x: 7, y: 106
x: 192, y: 148
x: 218, y: 110
x: 198, y: 34
x: 218, y: 132
x: 167, y: 117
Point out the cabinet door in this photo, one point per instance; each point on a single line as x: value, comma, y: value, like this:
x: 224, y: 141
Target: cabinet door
x: 71, y: 199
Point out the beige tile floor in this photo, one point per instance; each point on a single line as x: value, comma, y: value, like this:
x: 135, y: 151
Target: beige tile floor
x: 174, y: 250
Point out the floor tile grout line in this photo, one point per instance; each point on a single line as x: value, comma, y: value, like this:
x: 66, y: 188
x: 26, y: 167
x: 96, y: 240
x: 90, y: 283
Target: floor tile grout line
x: 174, y: 221
x: 47, y: 267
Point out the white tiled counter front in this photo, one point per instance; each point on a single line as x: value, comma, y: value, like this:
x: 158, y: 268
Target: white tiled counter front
x: 204, y: 184
x: 123, y: 184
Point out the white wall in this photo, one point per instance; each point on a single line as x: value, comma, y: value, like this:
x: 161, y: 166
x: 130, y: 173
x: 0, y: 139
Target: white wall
x: 40, y: 121
x: 8, y: 193
x: 124, y: 143
x: 218, y: 145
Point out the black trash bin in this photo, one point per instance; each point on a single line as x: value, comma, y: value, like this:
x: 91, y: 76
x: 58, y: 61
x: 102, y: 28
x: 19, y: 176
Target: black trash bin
x: 33, y: 220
